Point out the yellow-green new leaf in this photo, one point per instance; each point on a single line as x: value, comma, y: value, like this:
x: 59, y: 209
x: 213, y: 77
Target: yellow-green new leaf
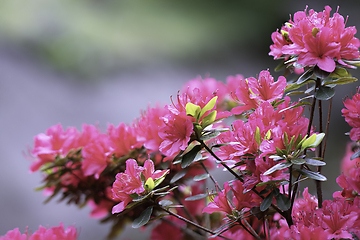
x: 193, y: 110
x: 210, y: 105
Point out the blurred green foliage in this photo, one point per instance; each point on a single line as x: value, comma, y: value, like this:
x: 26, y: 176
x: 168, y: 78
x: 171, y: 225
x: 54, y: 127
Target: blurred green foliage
x: 89, y: 37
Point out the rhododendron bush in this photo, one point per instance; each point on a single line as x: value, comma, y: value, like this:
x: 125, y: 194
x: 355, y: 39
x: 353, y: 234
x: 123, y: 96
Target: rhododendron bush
x: 157, y: 172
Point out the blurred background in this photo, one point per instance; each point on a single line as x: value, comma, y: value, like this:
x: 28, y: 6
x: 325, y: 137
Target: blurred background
x: 74, y: 62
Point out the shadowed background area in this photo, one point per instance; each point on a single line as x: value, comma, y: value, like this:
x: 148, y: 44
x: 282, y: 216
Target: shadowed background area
x: 103, y: 61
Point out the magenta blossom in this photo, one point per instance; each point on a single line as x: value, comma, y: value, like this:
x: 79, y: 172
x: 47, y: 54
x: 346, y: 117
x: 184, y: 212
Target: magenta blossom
x: 351, y: 112
x: 219, y: 203
x: 316, y: 39
x: 130, y: 182
x: 54, y: 233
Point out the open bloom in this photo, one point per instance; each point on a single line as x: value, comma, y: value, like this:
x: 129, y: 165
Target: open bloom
x: 316, y: 39
x: 351, y: 112
x: 130, y: 182
x: 54, y: 233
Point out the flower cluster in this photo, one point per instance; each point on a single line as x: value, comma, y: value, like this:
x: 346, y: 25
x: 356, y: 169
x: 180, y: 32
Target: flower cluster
x: 54, y: 233
x: 316, y: 39
x: 159, y: 167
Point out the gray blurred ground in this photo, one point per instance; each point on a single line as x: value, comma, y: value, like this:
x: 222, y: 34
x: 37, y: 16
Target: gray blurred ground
x: 35, y: 95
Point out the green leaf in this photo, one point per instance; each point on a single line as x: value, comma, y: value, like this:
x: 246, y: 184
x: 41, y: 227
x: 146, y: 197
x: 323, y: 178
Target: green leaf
x: 305, y: 76
x: 324, y: 93
x: 295, y: 106
x: 224, y: 144
x: 149, y: 184
x: 197, y: 197
x: 308, y: 142
x: 209, y: 119
x: 257, y: 136
x: 340, y: 81
x: 295, y: 93
x: 270, y: 182
x: 191, y: 156
x: 312, y: 175
x: 207, y: 135
x: 277, y: 167
x: 143, y: 218
x: 298, y: 161
x: 192, y: 110
x: 267, y: 202
x: 314, y: 162
x: 165, y: 203
x: 178, y: 176
x: 201, y: 177
x: 320, y: 73
x: 319, y: 138
x: 339, y: 73
x: 283, y: 202
x: 280, y: 66
x: 353, y: 62
x: 210, y: 105
x: 295, y: 86
x: 355, y: 155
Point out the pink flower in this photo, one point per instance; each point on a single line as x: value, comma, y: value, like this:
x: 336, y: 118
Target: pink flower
x: 148, y: 125
x: 130, y: 182
x: 219, y: 203
x: 54, y: 233
x: 265, y: 89
x: 252, y: 92
x: 14, y: 235
x: 351, y: 112
x: 243, y: 200
x: 321, y: 51
x: 123, y: 139
x: 350, y: 184
x: 346, y: 163
x: 96, y: 156
x: 175, y: 134
x: 316, y: 39
x: 54, y: 142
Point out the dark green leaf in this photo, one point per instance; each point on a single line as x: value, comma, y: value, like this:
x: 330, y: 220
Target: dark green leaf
x: 339, y: 73
x: 280, y: 66
x: 314, y: 162
x: 305, y: 76
x: 277, y: 167
x: 270, y: 182
x: 178, y: 176
x: 224, y: 144
x: 165, y: 203
x: 340, y: 81
x: 320, y: 73
x: 355, y: 155
x: 283, y: 202
x: 267, y: 202
x: 295, y: 93
x: 190, y: 156
x: 209, y: 135
x: 324, y: 93
x: 312, y: 175
x: 201, y: 177
x: 143, y: 218
x: 298, y: 161
x: 197, y: 197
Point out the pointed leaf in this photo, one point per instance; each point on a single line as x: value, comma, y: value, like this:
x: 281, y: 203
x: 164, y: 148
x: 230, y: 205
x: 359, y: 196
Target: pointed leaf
x: 178, y: 176
x: 295, y: 106
x: 277, y: 167
x: 143, y: 218
x: 283, y: 202
x: 324, y: 93
x: 340, y: 81
x: 312, y: 175
x: 314, y: 162
x: 165, y: 203
x: 192, y: 110
x: 355, y: 155
x: 298, y: 161
x: 339, y: 73
x: 201, y: 177
x: 308, y: 141
x: 320, y: 73
x: 197, y: 197
x: 305, y: 76
x: 209, y: 119
x: 319, y: 138
x: 257, y: 136
x: 267, y: 202
x: 210, y: 105
x: 190, y: 156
